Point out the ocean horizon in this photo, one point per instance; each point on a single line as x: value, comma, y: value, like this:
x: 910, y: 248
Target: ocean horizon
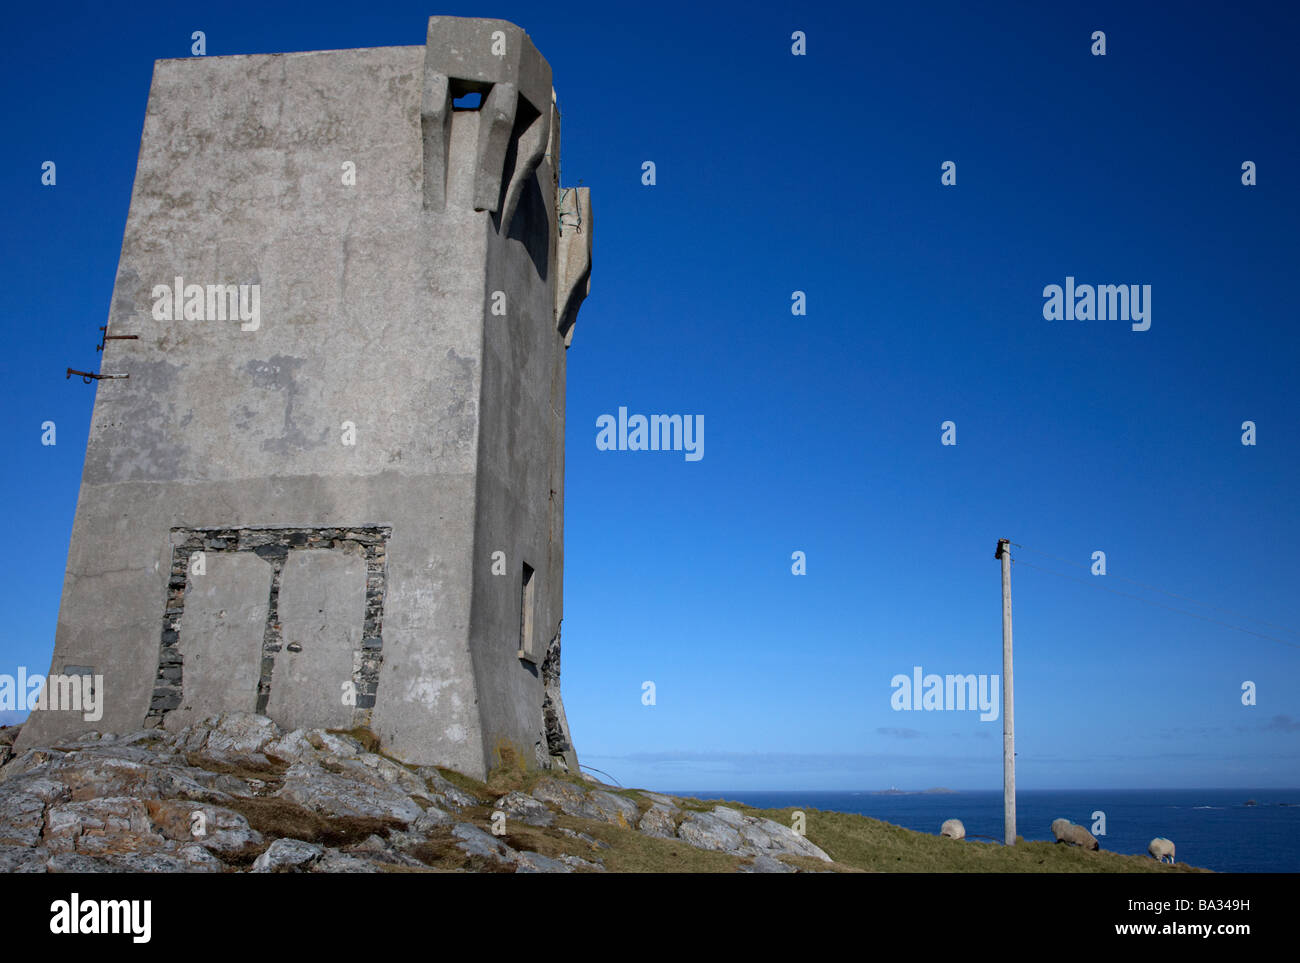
x: 1226, y: 830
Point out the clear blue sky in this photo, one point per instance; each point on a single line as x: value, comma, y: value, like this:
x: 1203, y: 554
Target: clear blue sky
x: 821, y: 173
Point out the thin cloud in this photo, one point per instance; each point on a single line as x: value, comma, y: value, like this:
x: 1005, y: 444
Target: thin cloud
x: 1282, y: 724
x: 900, y: 733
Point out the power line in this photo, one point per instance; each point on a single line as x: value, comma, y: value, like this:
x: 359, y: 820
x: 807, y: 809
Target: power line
x: 1153, y: 588
x: 1161, y: 605
x: 602, y: 772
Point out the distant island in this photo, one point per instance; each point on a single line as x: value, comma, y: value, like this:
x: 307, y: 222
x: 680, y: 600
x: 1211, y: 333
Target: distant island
x: 891, y: 791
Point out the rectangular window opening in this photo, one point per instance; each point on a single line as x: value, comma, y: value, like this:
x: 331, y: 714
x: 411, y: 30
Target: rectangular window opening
x: 526, y: 615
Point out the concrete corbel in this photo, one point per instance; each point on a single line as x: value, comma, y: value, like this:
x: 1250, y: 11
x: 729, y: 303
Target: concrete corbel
x: 574, y: 258
x: 435, y: 123
x: 496, y: 122
x: 531, y: 149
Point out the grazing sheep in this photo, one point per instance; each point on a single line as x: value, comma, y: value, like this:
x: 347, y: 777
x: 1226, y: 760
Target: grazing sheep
x: 1081, y: 837
x: 953, y: 829
x: 1159, y: 848
x: 1067, y: 832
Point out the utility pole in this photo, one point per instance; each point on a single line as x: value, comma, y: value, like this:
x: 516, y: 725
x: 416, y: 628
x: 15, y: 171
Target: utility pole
x: 1008, y: 701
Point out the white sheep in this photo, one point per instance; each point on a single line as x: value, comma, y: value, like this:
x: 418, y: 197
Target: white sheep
x: 1159, y: 848
x: 953, y: 829
x: 1067, y: 832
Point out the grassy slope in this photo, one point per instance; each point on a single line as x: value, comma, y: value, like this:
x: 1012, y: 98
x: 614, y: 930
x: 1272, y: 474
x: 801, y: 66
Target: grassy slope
x: 855, y: 843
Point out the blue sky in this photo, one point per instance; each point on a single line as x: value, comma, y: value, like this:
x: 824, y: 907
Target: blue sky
x: 821, y: 173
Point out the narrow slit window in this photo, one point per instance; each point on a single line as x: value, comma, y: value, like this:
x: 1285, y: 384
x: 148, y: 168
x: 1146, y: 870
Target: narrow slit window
x: 526, y: 614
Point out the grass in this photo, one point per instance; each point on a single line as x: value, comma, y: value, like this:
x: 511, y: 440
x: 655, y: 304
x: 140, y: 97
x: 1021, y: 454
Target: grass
x: 276, y: 818
x: 876, y: 846
x: 854, y: 843
x: 243, y: 768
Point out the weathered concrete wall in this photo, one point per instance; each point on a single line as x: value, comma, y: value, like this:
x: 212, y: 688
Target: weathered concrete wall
x: 375, y: 305
x: 521, y: 350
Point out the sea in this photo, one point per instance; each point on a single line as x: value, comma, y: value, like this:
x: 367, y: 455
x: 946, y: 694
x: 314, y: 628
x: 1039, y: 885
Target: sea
x: 1228, y: 830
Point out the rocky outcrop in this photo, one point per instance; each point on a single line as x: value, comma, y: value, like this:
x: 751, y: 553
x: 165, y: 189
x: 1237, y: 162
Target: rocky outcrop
x: 526, y: 809
x: 235, y: 793
x: 7, y: 736
x: 731, y: 831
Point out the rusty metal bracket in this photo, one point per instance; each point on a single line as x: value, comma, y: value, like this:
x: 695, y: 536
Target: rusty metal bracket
x: 106, y: 337
x: 87, y: 377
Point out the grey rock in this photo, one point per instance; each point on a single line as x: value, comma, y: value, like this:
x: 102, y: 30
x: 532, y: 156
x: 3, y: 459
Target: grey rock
x: 77, y: 863
x: 392, y: 774
x: 774, y: 839
x: 767, y: 864
x: 22, y: 816
x: 335, y: 861
x: 731, y: 831
x: 526, y: 809
x: 527, y: 862
x: 295, y: 746
x: 382, y: 851
x: 448, y: 790
x: 474, y: 842
x: 114, y: 825
x: 431, y: 819
x: 200, y: 859
x: 105, y: 772
x: 86, y: 738
x: 595, y: 804
x: 338, y: 795
x: 404, y: 841
x: 658, y: 821
x: 615, y: 808
x: 39, y: 785
x: 22, y: 859
x: 590, y: 866
x: 338, y: 744
x: 239, y: 732
x: 152, y: 738
x: 732, y: 817
x: 223, y: 830
x: 28, y: 761
x: 565, y: 796
x: 156, y: 862
x: 288, y: 856
x: 708, y: 831
x: 589, y: 840
x: 7, y: 736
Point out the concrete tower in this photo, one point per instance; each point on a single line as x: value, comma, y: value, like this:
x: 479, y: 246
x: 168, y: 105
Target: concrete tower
x: 332, y: 487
